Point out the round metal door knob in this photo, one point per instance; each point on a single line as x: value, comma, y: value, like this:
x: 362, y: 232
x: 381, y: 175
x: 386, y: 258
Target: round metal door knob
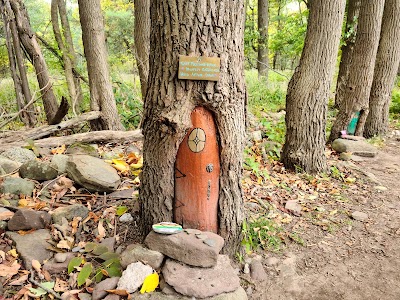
x: 209, y: 168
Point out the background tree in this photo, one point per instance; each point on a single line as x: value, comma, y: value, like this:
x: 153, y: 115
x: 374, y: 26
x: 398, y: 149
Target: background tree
x: 306, y: 100
x: 349, y: 38
x: 101, y: 93
x: 387, y: 58
x: 263, y: 59
x: 142, y: 41
x: 361, y: 72
x: 213, y: 28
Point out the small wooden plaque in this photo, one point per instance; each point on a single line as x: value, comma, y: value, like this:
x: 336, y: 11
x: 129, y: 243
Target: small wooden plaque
x: 199, y: 68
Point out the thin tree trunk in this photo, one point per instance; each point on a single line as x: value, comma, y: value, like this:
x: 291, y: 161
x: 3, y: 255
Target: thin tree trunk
x: 94, y: 43
x: 142, y: 41
x: 353, y: 11
x: 308, y: 90
x: 361, y: 74
x: 387, y: 58
x: 213, y: 29
x: 65, y: 55
x: 71, y: 53
x: 19, y: 59
x: 28, y: 40
x: 279, y: 27
x: 263, y: 60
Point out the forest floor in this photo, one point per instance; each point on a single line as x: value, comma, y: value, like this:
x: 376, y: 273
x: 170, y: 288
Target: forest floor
x: 339, y: 257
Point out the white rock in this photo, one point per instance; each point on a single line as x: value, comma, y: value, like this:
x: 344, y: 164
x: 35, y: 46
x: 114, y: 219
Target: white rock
x: 133, y: 277
x: 126, y: 218
x: 359, y: 216
x: 256, y: 135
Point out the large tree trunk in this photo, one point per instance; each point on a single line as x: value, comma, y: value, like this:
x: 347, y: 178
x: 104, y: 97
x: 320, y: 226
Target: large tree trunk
x: 214, y: 29
x: 65, y: 55
x: 307, y: 96
x: 357, y: 90
x: 142, y: 41
x: 94, y: 43
x: 387, y: 58
x: 28, y: 40
x: 353, y: 11
x: 263, y: 60
x: 71, y: 53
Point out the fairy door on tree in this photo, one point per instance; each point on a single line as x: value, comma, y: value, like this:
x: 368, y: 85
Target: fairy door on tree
x: 197, y: 171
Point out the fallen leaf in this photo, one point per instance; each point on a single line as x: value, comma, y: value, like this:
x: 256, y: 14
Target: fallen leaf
x: 64, y: 244
x: 13, y: 253
x: 9, y: 271
x: 58, y: 150
x: 101, y: 230
x: 20, y: 280
x: 36, y: 265
x: 61, y: 285
x: 6, y: 215
x: 120, y: 165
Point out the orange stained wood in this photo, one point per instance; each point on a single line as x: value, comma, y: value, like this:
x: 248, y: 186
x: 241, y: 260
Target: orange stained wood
x: 197, y: 171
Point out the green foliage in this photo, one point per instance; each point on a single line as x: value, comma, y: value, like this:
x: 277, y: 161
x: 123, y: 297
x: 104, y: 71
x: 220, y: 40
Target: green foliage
x: 261, y: 233
x: 395, y: 105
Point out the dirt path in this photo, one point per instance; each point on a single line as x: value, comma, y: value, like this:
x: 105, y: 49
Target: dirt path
x: 360, y: 260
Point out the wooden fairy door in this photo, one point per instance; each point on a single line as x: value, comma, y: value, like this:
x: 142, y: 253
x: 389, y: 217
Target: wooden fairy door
x: 197, y: 171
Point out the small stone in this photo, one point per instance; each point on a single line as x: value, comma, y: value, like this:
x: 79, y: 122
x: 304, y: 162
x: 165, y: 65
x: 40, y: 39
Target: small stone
x: 380, y: 188
x: 60, y: 162
x: 256, y: 135
x: 17, y: 186
x: 249, y: 291
x: 26, y: 219
x: 192, y: 231
x: 345, y: 156
x: 210, y: 242
x: 360, y: 148
x: 38, y: 170
x: 99, y: 291
x: 359, y: 216
x: 133, y: 277
x: 8, y: 165
x: 60, y: 257
x: 271, y: 261
x: 109, y: 243
x: 126, y: 218
x: 112, y: 297
x: 84, y: 296
x: 136, y: 252
x: 3, y: 225
x: 257, y: 271
x: 54, y: 267
x: 69, y: 212
x: 5, y: 214
x: 19, y: 154
x: 246, y: 268
x: 293, y: 206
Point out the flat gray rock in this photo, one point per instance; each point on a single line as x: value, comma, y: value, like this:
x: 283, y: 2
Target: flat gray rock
x: 54, y: 267
x: 17, y: 186
x: 8, y: 165
x: 239, y: 294
x: 201, y: 282
x: 136, y: 252
x: 38, y: 170
x: 360, y: 148
x: 257, y: 271
x: 99, y: 291
x: 26, y: 219
x: 19, y: 154
x: 69, y: 213
x: 93, y: 173
x: 359, y: 216
x: 32, y: 246
x: 186, y: 248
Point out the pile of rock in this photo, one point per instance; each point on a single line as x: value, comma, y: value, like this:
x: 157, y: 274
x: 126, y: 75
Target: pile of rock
x: 193, y: 266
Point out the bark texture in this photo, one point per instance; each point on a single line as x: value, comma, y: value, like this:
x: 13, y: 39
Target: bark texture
x: 387, y: 58
x: 206, y: 28
x: 28, y: 40
x: 263, y: 60
x: 307, y: 96
x: 353, y: 11
x: 142, y: 41
x: 357, y: 90
x: 94, y: 43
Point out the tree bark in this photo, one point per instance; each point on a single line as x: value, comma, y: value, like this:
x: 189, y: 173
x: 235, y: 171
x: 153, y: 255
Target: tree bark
x: 387, y: 58
x: 263, y: 59
x: 71, y: 53
x: 28, y: 40
x: 308, y: 89
x: 94, y: 43
x: 353, y: 11
x: 142, y: 41
x: 64, y: 54
x: 196, y: 28
x: 16, y: 59
x: 361, y: 72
